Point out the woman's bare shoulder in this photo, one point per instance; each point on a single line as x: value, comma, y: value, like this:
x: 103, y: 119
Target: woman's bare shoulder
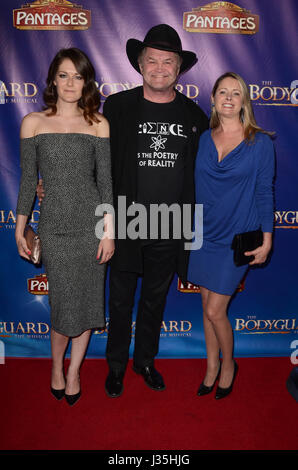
x: 30, y: 124
x: 102, y: 127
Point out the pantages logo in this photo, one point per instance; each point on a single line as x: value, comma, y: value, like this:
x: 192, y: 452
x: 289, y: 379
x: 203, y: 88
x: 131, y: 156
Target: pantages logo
x: 51, y: 14
x: 220, y: 17
x: 38, y: 285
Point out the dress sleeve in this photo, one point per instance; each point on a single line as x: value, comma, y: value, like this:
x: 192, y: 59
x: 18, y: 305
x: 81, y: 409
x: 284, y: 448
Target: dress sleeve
x: 103, y: 170
x: 29, y: 176
x: 264, y: 186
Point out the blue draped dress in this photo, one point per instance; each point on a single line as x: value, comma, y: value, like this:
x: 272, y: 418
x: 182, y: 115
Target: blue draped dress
x: 237, y: 196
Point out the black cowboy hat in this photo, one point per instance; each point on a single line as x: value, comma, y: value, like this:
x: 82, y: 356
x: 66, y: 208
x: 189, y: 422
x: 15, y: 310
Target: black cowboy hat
x: 164, y: 38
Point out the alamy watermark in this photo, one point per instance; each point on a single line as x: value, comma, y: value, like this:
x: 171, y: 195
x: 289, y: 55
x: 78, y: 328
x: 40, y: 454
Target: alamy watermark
x: 294, y: 95
x: 153, y: 222
x: 294, y: 355
x: 2, y: 95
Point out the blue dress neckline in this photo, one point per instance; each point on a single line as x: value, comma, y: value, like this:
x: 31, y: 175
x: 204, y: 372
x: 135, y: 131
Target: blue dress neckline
x: 228, y: 154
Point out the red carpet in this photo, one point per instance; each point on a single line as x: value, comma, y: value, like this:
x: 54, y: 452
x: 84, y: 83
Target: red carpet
x: 259, y: 415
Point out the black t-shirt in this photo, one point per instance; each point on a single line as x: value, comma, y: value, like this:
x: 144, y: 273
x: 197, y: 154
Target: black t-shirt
x: 161, y: 155
x: 162, y: 144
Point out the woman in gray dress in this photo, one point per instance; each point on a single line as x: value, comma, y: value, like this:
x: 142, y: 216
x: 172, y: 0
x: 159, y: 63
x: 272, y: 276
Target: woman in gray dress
x: 68, y: 144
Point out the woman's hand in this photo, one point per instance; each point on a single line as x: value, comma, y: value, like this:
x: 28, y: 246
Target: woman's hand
x: 260, y: 254
x: 19, y: 236
x: 23, y: 248
x: 105, y: 250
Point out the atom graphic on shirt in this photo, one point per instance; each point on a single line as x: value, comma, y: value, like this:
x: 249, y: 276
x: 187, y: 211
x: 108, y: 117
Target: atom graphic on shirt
x: 158, y: 143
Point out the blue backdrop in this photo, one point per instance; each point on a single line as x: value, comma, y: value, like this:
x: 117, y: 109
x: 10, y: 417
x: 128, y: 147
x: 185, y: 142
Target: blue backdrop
x: 262, y: 47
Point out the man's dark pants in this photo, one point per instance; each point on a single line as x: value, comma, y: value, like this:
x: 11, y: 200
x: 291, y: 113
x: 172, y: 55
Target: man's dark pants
x: 159, y: 262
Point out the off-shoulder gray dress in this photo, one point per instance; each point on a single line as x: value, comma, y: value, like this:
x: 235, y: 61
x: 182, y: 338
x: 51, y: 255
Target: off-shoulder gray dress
x: 76, y: 173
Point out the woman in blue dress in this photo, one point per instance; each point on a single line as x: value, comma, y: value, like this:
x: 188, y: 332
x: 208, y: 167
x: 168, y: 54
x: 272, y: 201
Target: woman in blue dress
x: 234, y: 182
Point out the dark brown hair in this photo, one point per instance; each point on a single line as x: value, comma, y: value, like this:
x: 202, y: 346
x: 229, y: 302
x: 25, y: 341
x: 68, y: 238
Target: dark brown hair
x: 90, y: 99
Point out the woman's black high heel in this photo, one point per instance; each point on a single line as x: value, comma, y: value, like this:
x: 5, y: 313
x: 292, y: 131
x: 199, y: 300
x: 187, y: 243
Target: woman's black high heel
x: 224, y: 392
x: 204, y: 389
x: 72, y: 399
x: 58, y: 394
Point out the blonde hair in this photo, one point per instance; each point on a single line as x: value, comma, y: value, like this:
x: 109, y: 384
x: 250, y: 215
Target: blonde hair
x: 246, y: 115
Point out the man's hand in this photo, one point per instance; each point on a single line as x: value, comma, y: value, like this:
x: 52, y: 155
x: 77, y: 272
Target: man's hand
x: 40, y: 191
x: 105, y: 250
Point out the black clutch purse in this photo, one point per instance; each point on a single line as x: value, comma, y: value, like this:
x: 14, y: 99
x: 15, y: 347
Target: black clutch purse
x: 243, y: 242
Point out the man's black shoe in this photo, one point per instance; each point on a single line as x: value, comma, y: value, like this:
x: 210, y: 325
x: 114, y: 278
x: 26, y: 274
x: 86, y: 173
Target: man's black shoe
x: 114, y: 384
x: 151, y: 376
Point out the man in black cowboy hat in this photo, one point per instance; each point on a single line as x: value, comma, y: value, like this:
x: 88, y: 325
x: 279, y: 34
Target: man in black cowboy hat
x: 154, y: 132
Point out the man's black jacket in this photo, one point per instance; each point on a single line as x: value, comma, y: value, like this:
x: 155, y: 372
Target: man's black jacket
x: 122, y: 112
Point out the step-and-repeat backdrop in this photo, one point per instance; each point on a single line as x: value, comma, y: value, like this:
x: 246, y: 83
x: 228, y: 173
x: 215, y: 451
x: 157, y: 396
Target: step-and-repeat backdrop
x: 255, y: 38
